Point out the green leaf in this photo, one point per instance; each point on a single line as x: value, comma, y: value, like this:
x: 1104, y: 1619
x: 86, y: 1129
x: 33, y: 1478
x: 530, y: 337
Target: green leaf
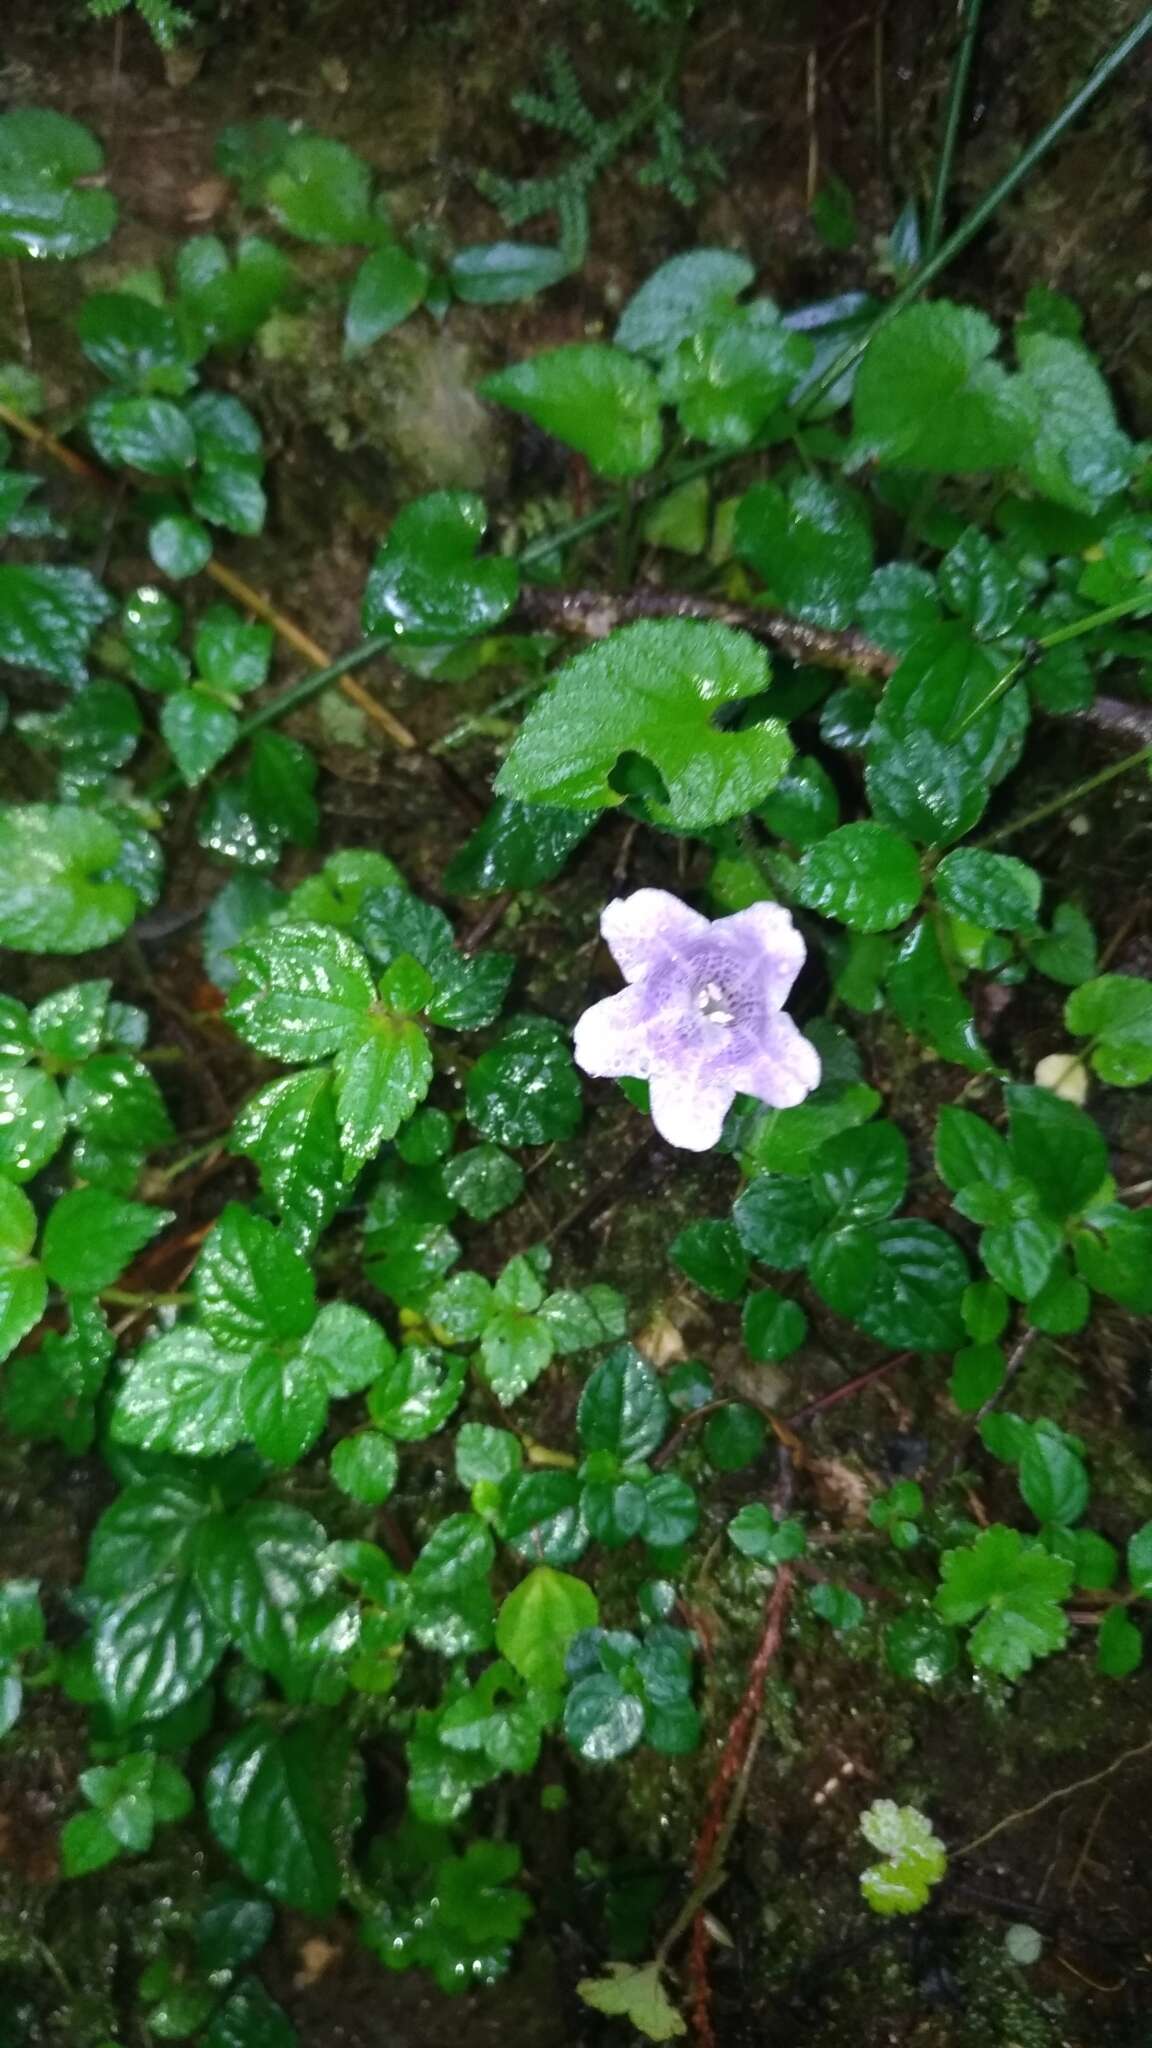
x: 90, y: 1237
x: 1020, y: 1254
x: 541, y: 1517
x: 601, y: 1720
x: 653, y: 690
x: 591, y: 396
x: 623, y: 1408
x: 389, y: 286
x: 773, y: 1328
x: 977, y: 1373
x: 58, y: 898
x: 914, y: 1858
x: 301, y: 991
x: 322, y: 192
x: 928, y: 396
x: 279, y: 1803
x: 152, y: 435
x: 1119, y: 1645
x: 1058, y: 1148
x: 1140, y: 1560
x: 499, y: 273
x: 862, y: 1174
x: 428, y: 583
x: 833, y: 213
x: 259, y: 1568
x: 898, y: 605
x: 681, y: 297
x: 86, y: 1844
x: 517, y: 846
x: 928, y: 1002
x: 778, y: 1218
x: 382, y: 1074
x: 902, y: 1282
x: 248, y: 2018
x: 199, y: 730
x: 969, y: 1150
x: 865, y: 875
x: 918, y: 1647
x: 1016, y: 1589
x: 516, y: 1348
x: 734, y: 1436
x: 524, y: 1090
x: 944, y: 733
x: 365, y: 1467
x: 47, y: 618
x: 249, y: 1282
x: 179, y: 546
x: 154, y: 1647
x: 1052, y: 1478
x: 989, y: 889
x: 727, y: 379
x: 72, y: 1023
x: 135, y: 343
x: 281, y: 774
x: 485, y: 1455
x: 289, y: 1128
x: 538, y: 1620
x: 484, y: 1181
x: 1115, y: 1256
x: 1115, y: 1010
x: 635, y: 1993
x: 842, y: 1609
x: 1068, y: 952
x: 756, y: 1533
x: 712, y: 1255
x: 182, y: 1393
x: 804, y: 806
x: 114, y: 1101
x: 31, y: 1120
x: 223, y: 302
x: 416, y: 1393
x: 42, y: 210
x: 812, y: 544
x: 1076, y: 455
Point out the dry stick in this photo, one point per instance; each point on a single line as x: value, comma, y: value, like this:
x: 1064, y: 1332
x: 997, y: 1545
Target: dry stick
x: 1012, y: 1820
x: 728, y: 1771
x: 252, y: 600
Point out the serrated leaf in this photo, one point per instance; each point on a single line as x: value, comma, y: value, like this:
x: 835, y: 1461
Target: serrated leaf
x: 865, y: 875
x: 47, y: 618
x: 250, y: 1284
x: 199, y: 730
x: 301, y: 991
x: 653, y: 690
x: 925, y: 996
x: 1016, y: 1588
x: 153, y: 1647
x: 929, y: 396
x: 902, y: 1282
x: 91, y: 1236
x: 727, y: 378
x: 32, y: 1122
x: 182, y: 1393
x: 591, y: 396
x: 516, y: 846
x: 623, y: 1408
x: 383, y: 1072
x: 1077, y: 455
x: 258, y: 1569
x: 289, y: 1128
x: 524, y: 1090
x: 989, y: 889
x: 635, y: 1993
x: 811, y: 543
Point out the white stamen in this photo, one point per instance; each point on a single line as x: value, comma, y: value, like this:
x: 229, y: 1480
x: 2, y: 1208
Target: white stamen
x: 712, y: 1004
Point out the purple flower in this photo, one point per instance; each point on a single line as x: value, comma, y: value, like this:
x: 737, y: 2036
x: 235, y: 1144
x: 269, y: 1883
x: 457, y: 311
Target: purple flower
x: 701, y: 1020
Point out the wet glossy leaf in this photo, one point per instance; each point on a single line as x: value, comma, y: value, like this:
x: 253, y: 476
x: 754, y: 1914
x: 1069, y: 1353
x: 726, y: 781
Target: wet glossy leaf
x: 541, y: 1517
x: 322, y: 192
x: 1058, y: 1148
x: 152, y: 435
x: 773, y: 1328
x: 47, y: 618
x: 713, y: 1256
x: 301, y: 991
x: 365, y: 1466
x: 927, y: 1000
x: 279, y: 1803
x: 250, y: 1284
x: 484, y: 1181
x: 652, y: 690
x: 428, y: 583
x: 1077, y: 455
x: 289, y: 1128
x: 90, y: 1237
x: 683, y: 296
x: 623, y: 1408
x: 865, y: 875
x: 43, y: 212
x: 179, y: 546
x: 58, y: 899
x: 524, y: 1090
x: 517, y: 846
x: 591, y: 396
x: 32, y: 1122
x: 383, y: 1071
x: 778, y: 1219
x: 862, y: 1174
x: 1115, y: 1010
x: 258, y: 1568
x: 499, y: 273
x: 914, y: 1858
x: 182, y: 1393
x: 734, y: 1437
x: 1016, y: 1589
x: 728, y: 379
x: 902, y: 1282
x: 135, y: 343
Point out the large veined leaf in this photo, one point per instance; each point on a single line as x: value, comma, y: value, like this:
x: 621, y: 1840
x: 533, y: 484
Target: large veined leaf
x: 59, y: 896
x: 929, y: 395
x: 47, y: 618
x: 595, y: 398
x: 653, y: 690
x: 427, y: 582
x: 279, y: 1802
x: 42, y: 212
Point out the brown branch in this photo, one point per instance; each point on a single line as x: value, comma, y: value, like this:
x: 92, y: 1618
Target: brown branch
x: 593, y: 614
x: 712, y: 1839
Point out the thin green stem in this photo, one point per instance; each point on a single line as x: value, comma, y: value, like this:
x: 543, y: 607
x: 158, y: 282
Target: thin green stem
x: 972, y: 223
x: 956, y: 97
x: 1074, y: 795
x: 1121, y: 610
x: 123, y: 1297
x: 477, y: 720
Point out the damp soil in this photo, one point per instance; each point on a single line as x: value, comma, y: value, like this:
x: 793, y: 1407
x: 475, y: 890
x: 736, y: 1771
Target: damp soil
x: 786, y: 95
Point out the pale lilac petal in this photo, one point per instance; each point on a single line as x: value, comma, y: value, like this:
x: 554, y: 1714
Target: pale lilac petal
x: 614, y: 1037
x: 786, y: 1069
x: 766, y: 932
x: 647, y: 927
x: 689, y: 1111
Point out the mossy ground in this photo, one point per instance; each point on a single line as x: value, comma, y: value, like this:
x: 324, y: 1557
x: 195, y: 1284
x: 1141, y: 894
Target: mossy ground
x: 423, y: 94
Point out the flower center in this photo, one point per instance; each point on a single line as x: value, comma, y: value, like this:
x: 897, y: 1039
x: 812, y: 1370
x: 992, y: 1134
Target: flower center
x: 712, y: 1004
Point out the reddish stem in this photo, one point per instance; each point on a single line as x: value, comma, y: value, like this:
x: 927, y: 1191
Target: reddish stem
x: 849, y: 1388
x: 719, y: 1793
